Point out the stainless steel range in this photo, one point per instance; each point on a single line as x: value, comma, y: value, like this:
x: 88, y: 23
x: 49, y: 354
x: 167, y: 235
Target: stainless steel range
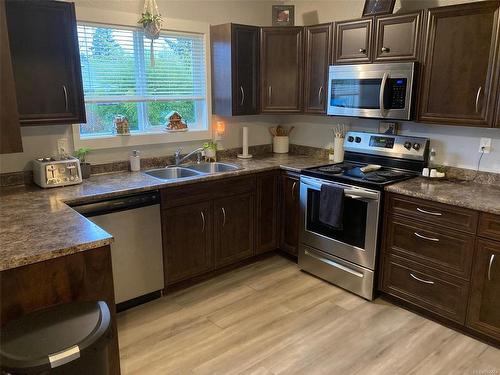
x: 347, y: 256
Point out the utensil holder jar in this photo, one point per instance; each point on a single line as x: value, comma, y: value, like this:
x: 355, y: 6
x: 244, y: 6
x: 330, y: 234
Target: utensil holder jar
x: 280, y: 144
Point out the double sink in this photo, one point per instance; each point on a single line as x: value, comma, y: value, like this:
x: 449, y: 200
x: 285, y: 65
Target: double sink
x: 191, y: 170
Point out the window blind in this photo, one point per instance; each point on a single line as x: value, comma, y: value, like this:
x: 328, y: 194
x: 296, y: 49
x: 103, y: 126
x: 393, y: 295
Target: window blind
x: 116, y: 65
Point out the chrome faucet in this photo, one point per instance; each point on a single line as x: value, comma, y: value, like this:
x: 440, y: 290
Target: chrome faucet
x: 179, y: 159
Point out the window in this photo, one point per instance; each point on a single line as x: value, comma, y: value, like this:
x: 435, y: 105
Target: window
x: 118, y: 79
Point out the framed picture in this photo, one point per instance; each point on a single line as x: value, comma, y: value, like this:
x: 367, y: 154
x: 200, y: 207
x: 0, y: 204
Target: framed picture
x: 283, y: 15
x: 378, y: 7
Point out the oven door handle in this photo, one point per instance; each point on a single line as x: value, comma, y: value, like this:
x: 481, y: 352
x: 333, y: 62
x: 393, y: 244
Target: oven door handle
x: 382, y: 92
x: 350, y: 193
x: 334, y: 264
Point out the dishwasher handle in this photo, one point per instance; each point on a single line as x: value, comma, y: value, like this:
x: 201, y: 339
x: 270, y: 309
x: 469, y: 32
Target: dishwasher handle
x: 117, y: 204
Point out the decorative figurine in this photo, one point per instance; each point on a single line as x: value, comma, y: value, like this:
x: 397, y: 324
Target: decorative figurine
x: 175, y: 123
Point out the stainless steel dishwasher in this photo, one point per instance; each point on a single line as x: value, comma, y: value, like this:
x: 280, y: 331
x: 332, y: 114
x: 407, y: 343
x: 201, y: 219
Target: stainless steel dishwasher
x: 136, y: 253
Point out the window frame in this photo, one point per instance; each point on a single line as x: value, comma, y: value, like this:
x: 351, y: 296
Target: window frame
x: 151, y: 136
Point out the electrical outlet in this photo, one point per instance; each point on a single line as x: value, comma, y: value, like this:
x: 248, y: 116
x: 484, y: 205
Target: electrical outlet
x: 62, y: 146
x: 485, y: 145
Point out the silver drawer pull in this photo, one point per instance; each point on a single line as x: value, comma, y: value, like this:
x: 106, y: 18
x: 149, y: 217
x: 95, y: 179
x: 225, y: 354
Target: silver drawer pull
x: 426, y: 238
x: 335, y: 264
x: 223, y: 217
x: 202, y: 221
x: 421, y: 280
x: 429, y: 212
x: 492, y: 258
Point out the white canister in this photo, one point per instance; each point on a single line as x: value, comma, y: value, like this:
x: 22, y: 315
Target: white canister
x: 280, y: 144
x: 338, y: 150
x: 135, y: 161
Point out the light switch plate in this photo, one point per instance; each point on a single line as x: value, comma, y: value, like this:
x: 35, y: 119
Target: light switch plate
x: 62, y: 146
x: 486, y: 143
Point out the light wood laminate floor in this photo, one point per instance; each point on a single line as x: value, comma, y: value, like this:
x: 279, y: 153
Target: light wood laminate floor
x: 271, y: 318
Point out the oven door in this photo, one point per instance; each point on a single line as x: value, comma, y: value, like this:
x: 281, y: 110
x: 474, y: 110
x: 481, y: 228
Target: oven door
x: 371, y: 90
x: 357, y: 241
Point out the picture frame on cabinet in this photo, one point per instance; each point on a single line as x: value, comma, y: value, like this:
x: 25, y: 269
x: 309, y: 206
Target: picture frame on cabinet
x: 378, y: 7
x: 283, y: 15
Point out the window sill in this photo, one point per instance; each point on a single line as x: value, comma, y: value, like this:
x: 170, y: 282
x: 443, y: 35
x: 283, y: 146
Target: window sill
x: 137, y: 139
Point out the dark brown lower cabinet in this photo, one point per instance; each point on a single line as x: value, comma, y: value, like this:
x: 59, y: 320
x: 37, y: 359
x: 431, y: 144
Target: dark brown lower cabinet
x: 290, y: 213
x: 233, y: 229
x: 484, y: 303
x: 267, y: 212
x: 187, y: 239
x: 444, y: 260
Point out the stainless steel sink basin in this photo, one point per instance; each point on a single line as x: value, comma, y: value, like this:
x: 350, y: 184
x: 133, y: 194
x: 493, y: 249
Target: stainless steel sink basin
x: 173, y: 173
x: 213, y: 167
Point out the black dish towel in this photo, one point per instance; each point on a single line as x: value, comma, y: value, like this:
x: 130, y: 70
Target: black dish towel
x: 331, y: 206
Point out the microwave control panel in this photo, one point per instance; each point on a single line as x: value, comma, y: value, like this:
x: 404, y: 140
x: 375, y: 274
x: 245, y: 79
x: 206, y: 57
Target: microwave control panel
x: 397, y: 90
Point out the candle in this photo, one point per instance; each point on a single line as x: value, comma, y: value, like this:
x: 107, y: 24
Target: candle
x: 245, y: 141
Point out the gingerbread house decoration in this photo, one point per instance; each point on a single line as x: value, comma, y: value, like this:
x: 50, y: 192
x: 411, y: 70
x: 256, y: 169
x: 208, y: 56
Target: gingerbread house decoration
x: 175, y: 122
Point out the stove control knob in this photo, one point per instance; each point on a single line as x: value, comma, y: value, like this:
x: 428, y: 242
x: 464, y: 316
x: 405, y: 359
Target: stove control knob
x: 350, y: 138
x: 408, y: 145
x: 416, y: 146
x: 358, y: 140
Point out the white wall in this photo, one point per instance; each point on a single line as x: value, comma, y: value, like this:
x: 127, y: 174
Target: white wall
x: 455, y: 145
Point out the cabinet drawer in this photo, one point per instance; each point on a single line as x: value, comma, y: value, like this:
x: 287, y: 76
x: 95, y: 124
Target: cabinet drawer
x: 489, y: 226
x: 200, y: 192
x: 435, y: 213
x: 443, y: 295
x: 447, y: 250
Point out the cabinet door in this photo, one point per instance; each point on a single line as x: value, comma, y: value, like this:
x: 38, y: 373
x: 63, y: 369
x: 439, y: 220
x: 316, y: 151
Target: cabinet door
x: 46, y: 62
x: 234, y: 230
x: 459, y: 82
x: 353, y: 41
x: 317, y: 59
x: 10, y: 140
x: 290, y: 213
x: 398, y: 37
x: 281, y: 69
x: 246, y: 70
x: 267, y: 212
x: 187, y: 241
x: 484, y: 304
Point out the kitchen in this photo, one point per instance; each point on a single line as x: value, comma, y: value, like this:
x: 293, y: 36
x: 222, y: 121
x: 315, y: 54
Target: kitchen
x: 232, y: 260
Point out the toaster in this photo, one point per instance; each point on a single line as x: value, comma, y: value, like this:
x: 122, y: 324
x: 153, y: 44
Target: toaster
x: 53, y: 172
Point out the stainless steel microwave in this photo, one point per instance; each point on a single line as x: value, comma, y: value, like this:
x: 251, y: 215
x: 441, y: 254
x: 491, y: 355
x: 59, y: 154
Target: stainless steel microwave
x: 371, y: 90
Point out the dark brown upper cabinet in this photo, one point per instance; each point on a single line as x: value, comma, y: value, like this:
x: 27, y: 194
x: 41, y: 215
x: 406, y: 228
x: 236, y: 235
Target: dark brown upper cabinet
x: 317, y: 49
x: 10, y: 132
x: 353, y: 41
x: 46, y: 62
x: 281, y: 54
x: 484, y: 302
x: 397, y: 37
x: 459, y: 81
x: 235, y: 69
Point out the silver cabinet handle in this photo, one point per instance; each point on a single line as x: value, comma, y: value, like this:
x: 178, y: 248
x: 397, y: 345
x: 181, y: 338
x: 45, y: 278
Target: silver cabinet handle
x: 381, y: 94
x: 335, y: 264
x: 65, y: 91
x: 421, y: 280
x: 320, y: 96
x: 293, y: 190
x: 269, y: 94
x: 223, y: 217
x: 426, y: 238
x: 362, y: 50
x: 385, y: 49
x: 492, y: 258
x: 478, y: 94
x: 242, y: 95
x: 429, y: 212
x: 202, y: 221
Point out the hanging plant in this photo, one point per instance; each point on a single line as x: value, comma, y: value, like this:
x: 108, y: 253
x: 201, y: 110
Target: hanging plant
x: 152, y: 22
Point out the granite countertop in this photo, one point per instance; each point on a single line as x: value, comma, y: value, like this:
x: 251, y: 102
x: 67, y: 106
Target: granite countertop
x: 37, y: 224
x: 480, y: 197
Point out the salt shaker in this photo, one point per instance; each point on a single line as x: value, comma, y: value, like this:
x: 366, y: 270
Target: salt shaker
x: 135, y: 161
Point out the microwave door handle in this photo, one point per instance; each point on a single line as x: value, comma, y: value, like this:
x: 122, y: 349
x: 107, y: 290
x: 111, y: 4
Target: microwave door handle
x: 382, y: 92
